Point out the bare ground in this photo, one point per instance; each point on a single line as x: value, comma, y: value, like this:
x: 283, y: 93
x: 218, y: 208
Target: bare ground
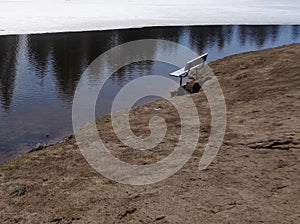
x: 255, y: 178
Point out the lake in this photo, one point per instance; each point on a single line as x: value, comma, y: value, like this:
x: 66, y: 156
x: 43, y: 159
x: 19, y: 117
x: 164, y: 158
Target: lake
x: 39, y: 73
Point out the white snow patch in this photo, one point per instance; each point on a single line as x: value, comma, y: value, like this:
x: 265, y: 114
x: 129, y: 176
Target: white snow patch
x: 42, y: 16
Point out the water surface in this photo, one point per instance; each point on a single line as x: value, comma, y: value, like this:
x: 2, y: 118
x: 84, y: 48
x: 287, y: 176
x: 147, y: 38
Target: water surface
x: 39, y: 73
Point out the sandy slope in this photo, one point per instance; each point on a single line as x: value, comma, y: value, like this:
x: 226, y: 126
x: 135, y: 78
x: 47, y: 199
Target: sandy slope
x: 254, y: 179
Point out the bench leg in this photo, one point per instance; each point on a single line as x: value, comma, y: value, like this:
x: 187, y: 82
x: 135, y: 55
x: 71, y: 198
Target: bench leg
x: 180, y: 80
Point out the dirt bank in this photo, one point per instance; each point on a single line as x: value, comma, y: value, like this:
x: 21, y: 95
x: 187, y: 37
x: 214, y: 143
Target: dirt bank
x: 255, y: 178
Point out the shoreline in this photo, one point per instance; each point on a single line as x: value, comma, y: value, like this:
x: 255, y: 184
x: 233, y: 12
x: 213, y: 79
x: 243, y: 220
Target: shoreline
x: 43, y: 145
x: 255, y: 173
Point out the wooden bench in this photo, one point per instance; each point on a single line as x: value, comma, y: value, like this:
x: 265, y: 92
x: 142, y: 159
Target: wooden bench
x: 198, y: 62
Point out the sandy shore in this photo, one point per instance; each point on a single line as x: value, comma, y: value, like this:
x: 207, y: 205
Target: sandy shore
x: 255, y: 178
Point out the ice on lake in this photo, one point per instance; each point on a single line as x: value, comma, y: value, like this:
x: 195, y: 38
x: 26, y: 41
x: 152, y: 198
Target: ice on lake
x: 41, y: 16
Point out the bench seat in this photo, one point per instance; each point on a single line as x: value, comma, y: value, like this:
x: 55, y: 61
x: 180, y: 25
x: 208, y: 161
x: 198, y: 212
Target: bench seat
x: 190, y: 65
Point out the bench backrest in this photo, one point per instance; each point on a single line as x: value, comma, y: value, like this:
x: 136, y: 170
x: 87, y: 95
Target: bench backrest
x: 199, y: 61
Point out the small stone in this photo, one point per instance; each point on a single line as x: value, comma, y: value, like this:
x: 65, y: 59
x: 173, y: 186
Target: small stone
x: 160, y: 218
x: 56, y: 220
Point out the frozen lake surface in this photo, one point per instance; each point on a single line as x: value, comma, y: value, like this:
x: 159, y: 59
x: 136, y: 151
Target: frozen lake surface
x: 42, y: 16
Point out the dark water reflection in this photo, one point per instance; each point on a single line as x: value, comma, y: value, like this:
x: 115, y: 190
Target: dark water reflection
x: 39, y: 73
